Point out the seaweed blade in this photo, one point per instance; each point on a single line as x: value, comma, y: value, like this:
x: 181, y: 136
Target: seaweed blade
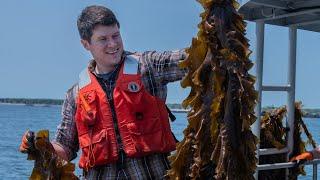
x: 218, y: 142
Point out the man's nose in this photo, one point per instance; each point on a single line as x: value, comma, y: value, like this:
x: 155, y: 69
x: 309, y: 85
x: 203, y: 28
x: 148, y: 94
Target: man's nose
x: 111, y: 43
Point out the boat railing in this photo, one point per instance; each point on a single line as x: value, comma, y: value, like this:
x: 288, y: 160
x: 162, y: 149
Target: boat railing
x: 314, y: 163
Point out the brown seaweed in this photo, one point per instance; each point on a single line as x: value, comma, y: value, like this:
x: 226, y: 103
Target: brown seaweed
x: 273, y: 135
x: 299, y: 145
x: 218, y: 142
x: 48, y: 165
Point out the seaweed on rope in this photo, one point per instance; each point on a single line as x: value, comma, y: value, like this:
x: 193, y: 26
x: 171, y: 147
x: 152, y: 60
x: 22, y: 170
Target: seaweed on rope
x: 218, y: 142
x: 273, y: 135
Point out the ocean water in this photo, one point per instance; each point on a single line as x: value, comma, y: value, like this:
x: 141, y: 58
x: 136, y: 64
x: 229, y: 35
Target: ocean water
x: 16, y: 119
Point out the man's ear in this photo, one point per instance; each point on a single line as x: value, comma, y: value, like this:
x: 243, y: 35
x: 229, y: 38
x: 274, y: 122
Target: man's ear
x: 85, y: 44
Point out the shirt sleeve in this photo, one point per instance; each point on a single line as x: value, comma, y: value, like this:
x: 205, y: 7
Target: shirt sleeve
x: 66, y: 134
x: 166, y: 64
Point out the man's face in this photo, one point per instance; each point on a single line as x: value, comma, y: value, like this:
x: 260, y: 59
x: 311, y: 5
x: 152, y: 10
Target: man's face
x: 106, y: 46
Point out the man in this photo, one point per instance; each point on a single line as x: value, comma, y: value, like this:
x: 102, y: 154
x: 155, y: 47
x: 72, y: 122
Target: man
x: 116, y: 113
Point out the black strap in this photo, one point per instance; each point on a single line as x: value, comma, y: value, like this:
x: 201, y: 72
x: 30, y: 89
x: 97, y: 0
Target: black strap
x: 171, y: 115
x: 172, y: 118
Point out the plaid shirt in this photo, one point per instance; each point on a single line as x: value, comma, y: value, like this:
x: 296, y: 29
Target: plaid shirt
x: 157, y: 69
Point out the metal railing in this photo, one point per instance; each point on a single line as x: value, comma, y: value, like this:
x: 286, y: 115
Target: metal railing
x: 289, y: 88
x: 290, y: 165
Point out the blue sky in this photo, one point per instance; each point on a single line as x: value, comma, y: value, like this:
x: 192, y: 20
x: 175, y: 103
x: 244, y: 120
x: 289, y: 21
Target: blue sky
x: 41, y: 55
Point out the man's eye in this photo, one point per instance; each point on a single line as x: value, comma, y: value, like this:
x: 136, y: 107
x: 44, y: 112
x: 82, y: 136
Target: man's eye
x: 115, y: 36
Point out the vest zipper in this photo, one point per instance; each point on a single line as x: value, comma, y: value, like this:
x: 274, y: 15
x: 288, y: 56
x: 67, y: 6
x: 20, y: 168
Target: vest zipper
x: 114, y: 117
x: 115, y: 125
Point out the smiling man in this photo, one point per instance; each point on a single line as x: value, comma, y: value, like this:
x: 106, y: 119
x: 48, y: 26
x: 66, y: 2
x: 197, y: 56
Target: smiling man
x: 116, y: 113
x: 105, y: 45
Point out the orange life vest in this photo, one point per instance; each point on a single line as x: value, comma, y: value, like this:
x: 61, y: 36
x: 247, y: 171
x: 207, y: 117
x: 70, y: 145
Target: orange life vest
x: 142, y: 119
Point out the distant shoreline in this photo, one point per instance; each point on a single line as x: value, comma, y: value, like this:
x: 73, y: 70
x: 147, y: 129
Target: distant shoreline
x: 175, y: 107
x: 36, y: 105
x: 27, y: 101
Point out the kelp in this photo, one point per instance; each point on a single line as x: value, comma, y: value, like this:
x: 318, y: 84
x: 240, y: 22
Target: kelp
x: 299, y: 145
x: 48, y: 165
x: 273, y: 135
x: 272, y: 131
x: 218, y: 142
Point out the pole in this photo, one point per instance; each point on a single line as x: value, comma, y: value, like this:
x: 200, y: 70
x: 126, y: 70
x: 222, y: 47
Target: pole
x: 259, y: 73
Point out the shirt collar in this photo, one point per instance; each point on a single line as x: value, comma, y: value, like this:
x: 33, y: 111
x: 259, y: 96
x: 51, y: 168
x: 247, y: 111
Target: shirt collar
x: 112, y: 74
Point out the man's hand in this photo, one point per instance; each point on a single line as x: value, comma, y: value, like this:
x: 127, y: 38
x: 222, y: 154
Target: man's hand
x: 304, y: 156
x: 27, y: 142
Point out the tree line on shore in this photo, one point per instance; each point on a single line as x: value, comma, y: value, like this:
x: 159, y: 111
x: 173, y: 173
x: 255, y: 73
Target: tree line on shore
x: 307, y: 112
x: 27, y: 101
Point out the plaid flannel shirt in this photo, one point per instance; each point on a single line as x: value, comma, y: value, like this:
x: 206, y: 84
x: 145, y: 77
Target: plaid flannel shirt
x: 157, y: 69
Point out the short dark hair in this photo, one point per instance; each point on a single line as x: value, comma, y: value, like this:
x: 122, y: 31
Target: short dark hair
x: 92, y: 16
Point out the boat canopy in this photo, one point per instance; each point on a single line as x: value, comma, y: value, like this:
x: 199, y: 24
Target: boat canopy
x: 303, y: 14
